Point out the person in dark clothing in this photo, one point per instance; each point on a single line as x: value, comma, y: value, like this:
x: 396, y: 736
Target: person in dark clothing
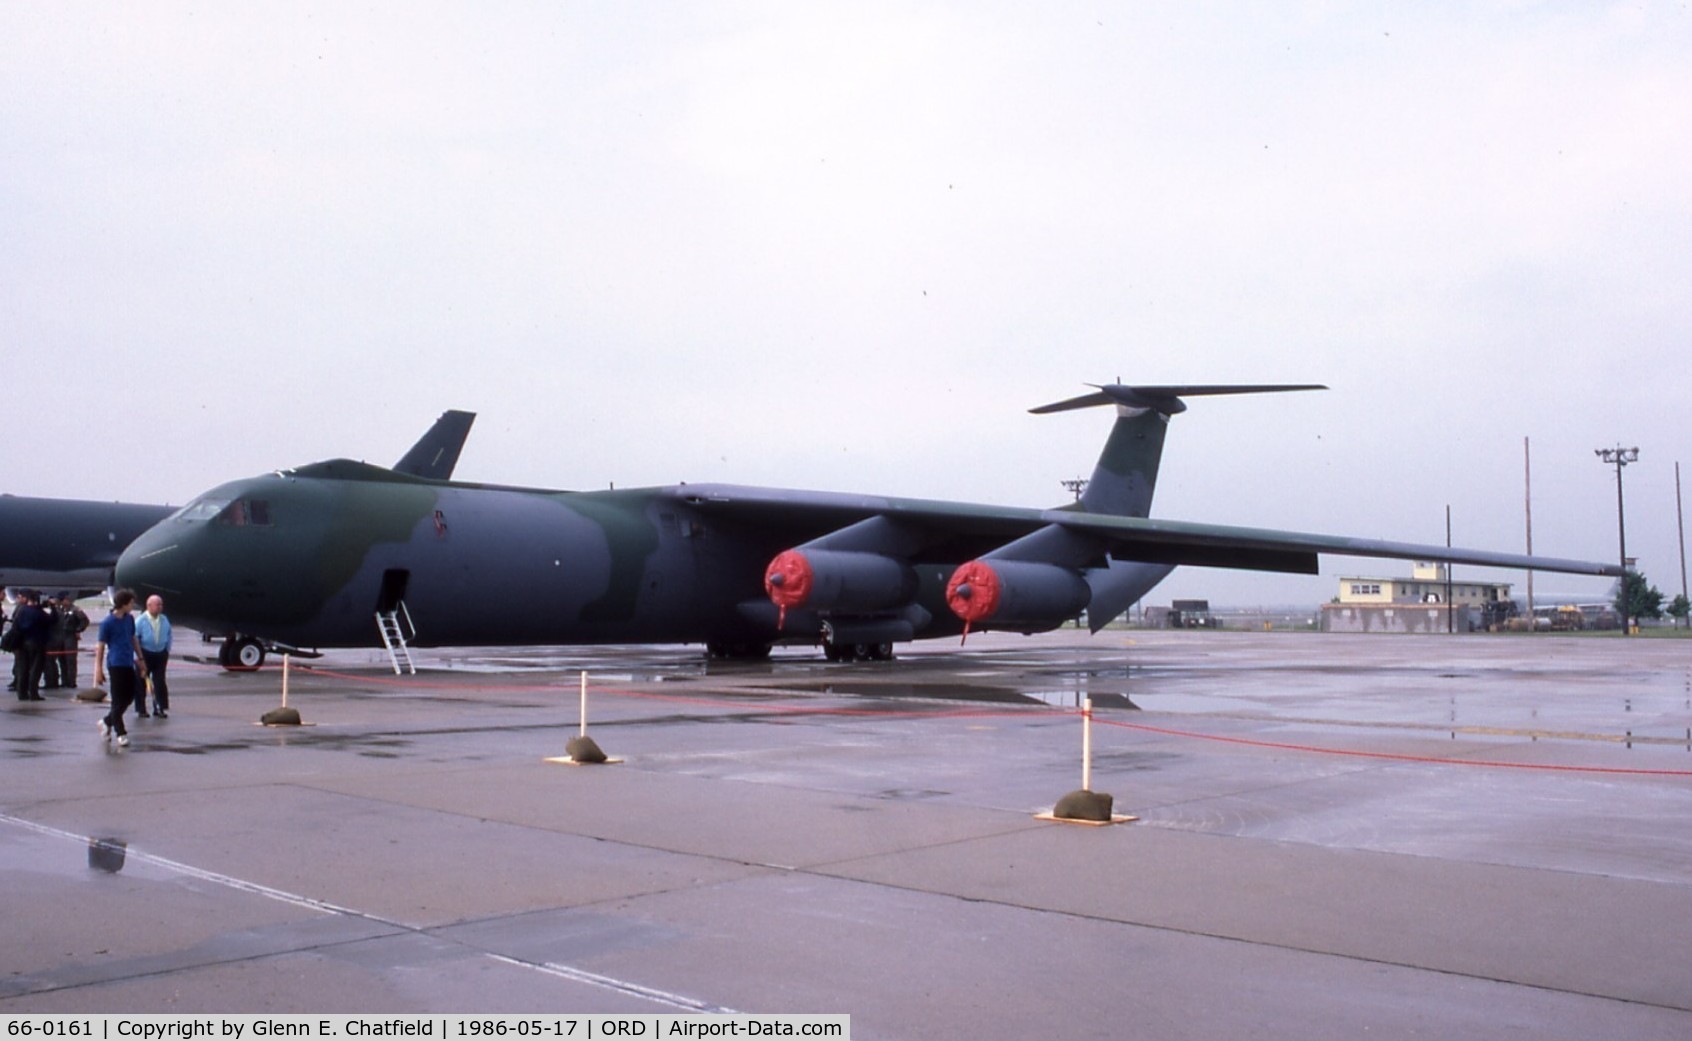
x: 8, y: 643
x: 33, y: 629
x: 62, y: 652
x: 49, y: 667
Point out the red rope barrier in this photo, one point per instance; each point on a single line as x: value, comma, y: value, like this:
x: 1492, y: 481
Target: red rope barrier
x: 1395, y: 756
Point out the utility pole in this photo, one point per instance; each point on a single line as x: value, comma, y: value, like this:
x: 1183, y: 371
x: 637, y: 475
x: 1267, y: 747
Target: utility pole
x: 1527, y: 495
x: 1680, y: 526
x: 1620, y: 457
x: 1450, y: 621
x: 1076, y: 486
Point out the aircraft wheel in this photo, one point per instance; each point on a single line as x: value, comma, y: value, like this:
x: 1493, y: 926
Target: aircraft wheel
x: 245, y: 654
x: 857, y: 651
x: 226, y: 654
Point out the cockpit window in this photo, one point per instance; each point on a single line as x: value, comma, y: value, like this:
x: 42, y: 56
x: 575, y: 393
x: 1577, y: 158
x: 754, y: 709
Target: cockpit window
x: 201, y: 509
x: 239, y: 513
x: 244, y: 512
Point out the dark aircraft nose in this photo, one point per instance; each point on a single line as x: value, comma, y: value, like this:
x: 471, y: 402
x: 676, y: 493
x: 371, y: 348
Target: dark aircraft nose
x: 223, y: 563
x: 153, y: 563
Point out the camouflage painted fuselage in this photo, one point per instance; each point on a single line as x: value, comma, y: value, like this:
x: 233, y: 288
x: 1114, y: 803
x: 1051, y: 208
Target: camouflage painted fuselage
x: 307, y: 557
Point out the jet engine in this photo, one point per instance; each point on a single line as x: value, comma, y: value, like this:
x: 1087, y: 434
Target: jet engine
x: 845, y: 581
x: 1013, y: 594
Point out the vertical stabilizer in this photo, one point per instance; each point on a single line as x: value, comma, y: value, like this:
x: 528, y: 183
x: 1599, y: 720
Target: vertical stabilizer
x: 435, y: 455
x: 1126, y: 474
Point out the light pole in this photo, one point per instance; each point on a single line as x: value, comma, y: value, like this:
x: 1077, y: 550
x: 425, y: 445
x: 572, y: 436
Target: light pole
x: 1680, y: 526
x: 1620, y: 457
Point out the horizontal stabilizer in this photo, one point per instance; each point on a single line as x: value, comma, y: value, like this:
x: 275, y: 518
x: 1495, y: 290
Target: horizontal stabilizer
x: 1164, y: 399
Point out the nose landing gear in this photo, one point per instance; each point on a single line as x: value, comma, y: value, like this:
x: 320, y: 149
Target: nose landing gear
x: 241, y: 653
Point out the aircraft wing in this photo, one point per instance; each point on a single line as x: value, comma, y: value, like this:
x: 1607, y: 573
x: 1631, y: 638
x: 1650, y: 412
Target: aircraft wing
x: 1262, y: 549
x: 947, y: 532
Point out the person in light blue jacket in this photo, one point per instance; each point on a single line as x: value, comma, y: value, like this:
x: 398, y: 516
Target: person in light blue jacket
x: 152, y: 631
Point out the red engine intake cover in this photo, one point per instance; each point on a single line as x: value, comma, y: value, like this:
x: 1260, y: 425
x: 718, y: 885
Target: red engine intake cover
x: 973, y: 592
x: 788, y: 582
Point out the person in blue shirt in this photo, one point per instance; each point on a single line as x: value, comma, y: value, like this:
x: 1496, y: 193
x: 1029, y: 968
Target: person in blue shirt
x: 152, y: 631
x: 116, y: 653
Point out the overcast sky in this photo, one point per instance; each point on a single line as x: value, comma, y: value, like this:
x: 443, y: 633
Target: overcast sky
x: 847, y: 246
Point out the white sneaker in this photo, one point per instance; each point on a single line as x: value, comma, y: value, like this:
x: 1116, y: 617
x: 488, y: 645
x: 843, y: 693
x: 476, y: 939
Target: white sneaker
x: 105, y: 730
x: 123, y: 740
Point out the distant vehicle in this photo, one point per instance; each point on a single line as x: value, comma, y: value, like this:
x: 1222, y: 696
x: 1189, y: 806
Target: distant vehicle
x: 1560, y: 618
x: 344, y: 554
x: 1599, y: 616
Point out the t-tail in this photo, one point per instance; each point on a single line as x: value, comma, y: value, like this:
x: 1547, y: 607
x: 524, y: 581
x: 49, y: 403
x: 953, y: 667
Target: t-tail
x: 1125, y: 478
x: 1126, y: 474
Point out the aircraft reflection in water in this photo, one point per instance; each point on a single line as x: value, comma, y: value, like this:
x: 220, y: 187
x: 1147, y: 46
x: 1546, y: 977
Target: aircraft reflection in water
x: 345, y: 554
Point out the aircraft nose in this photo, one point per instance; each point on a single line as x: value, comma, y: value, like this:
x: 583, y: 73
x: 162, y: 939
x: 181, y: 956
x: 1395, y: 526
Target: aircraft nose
x: 149, y: 564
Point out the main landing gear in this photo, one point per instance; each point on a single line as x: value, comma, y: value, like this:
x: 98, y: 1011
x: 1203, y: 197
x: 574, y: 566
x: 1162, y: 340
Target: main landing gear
x: 857, y: 651
x: 241, y: 654
x: 841, y: 652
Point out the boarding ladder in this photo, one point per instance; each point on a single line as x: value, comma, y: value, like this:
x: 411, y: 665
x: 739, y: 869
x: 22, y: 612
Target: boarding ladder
x: 393, y: 626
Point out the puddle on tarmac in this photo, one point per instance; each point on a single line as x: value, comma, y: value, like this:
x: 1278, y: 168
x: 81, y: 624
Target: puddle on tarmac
x: 958, y: 692
x: 902, y: 794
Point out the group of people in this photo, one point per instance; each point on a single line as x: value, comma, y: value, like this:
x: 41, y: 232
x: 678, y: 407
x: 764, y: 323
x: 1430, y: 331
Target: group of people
x: 133, y: 649
x: 43, y: 636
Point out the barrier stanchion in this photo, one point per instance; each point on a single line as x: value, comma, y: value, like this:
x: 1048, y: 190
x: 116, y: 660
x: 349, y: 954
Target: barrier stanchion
x: 91, y: 695
x: 1087, y: 746
x: 582, y: 750
x: 284, y: 716
x: 1085, y: 806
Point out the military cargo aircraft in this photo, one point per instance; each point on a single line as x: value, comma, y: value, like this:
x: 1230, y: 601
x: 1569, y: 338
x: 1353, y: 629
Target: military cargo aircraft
x: 74, y: 544
x: 345, y: 554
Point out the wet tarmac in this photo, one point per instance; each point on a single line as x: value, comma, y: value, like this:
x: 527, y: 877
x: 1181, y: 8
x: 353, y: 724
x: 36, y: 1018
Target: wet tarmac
x: 1340, y: 836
